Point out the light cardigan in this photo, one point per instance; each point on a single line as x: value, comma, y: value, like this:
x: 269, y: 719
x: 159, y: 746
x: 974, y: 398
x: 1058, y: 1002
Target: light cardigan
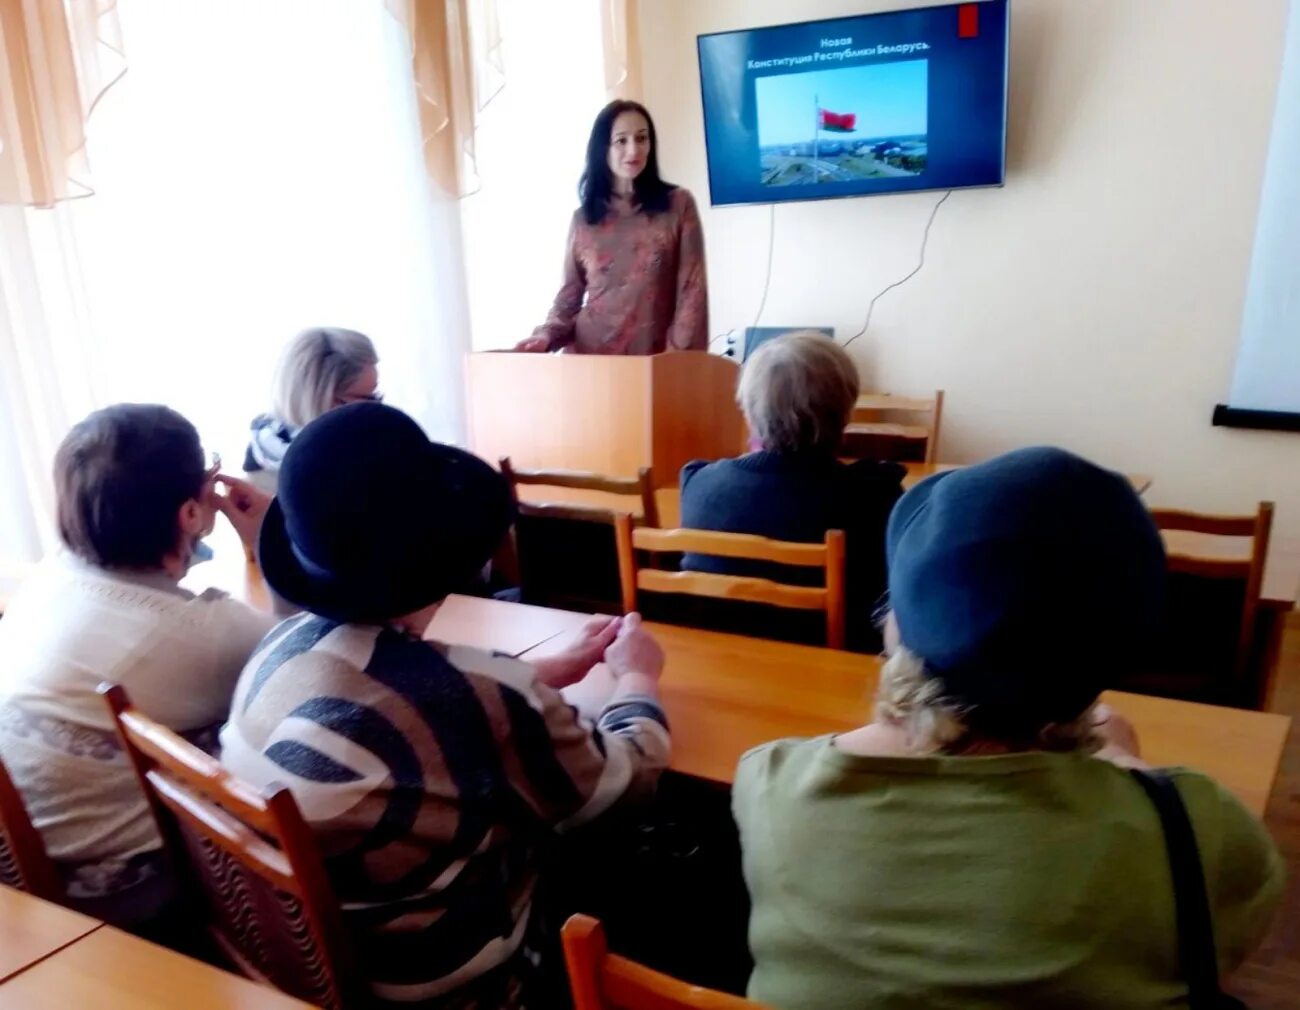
x: 72, y: 626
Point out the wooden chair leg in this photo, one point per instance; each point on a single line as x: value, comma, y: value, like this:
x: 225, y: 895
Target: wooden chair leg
x: 836, y: 609
x: 626, y: 560
x: 1270, y: 626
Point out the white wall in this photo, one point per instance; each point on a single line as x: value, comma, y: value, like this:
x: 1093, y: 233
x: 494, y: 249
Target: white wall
x: 1095, y: 301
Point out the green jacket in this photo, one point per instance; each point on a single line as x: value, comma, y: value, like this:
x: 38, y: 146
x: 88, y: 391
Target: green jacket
x: 1030, y: 880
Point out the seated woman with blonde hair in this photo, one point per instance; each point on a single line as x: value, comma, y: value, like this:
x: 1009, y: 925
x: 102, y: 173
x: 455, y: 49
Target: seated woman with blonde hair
x: 321, y: 369
x: 797, y: 393
x: 984, y: 841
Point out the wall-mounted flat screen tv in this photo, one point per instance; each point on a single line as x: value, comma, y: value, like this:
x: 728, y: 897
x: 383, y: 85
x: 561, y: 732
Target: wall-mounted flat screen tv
x: 857, y: 106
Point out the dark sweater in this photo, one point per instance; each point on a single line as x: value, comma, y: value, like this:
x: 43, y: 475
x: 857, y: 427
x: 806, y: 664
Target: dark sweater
x: 798, y: 497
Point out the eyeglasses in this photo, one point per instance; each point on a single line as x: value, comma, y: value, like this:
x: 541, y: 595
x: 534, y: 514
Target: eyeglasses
x: 347, y: 398
x: 213, y: 467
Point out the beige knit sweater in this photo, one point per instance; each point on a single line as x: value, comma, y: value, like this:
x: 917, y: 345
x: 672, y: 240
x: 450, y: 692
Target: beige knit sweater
x: 72, y: 626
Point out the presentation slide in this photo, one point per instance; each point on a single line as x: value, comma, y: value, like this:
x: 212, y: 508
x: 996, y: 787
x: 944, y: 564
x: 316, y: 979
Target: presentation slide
x: 881, y: 103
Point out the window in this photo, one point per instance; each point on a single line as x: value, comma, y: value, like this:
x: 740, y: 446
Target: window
x: 258, y: 171
x: 532, y: 142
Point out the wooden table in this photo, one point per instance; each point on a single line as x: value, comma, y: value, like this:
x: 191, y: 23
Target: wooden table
x: 52, y: 957
x: 727, y: 693
x: 512, y: 628
x: 32, y: 929
x: 109, y: 969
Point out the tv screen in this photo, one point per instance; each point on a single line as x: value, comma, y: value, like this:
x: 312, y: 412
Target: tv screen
x: 881, y: 103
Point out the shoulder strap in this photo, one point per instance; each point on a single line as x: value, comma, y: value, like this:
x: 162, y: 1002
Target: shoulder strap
x: 1197, y: 956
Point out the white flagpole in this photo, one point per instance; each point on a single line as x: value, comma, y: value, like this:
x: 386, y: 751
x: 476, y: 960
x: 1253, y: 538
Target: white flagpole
x: 817, y: 129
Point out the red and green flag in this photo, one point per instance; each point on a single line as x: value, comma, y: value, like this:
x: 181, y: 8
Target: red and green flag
x: 837, y: 122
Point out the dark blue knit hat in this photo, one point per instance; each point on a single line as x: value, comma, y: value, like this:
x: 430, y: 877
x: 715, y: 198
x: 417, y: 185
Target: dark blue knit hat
x: 373, y: 520
x: 1026, y: 584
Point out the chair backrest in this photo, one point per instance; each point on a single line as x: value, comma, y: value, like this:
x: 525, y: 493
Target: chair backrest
x: 249, y: 857
x: 881, y: 421
x: 828, y: 556
x: 1200, y: 559
x: 641, y: 486
x: 24, y: 863
x: 600, y: 980
x: 564, y: 550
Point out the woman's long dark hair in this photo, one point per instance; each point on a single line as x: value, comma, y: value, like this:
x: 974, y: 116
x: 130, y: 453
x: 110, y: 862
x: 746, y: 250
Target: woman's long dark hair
x: 597, y: 183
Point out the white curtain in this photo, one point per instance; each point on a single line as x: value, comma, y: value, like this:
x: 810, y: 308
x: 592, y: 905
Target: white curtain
x: 48, y: 369
x: 621, y: 38
x: 530, y: 145
x: 257, y: 171
x: 57, y: 60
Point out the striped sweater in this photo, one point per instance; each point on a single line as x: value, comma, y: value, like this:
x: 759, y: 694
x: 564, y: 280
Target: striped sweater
x: 430, y: 774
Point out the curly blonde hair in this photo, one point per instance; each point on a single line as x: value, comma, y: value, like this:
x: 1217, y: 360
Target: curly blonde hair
x: 937, y: 723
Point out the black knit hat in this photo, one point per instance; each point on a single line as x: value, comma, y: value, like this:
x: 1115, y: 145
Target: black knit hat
x: 1026, y: 584
x: 374, y: 521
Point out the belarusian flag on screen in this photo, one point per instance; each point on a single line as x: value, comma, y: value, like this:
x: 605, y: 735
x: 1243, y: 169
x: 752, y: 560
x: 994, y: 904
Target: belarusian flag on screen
x: 838, y: 122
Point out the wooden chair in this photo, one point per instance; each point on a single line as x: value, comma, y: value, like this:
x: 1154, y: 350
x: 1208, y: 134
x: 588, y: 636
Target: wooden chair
x: 904, y: 428
x: 249, y: 860
x: 641, y: 486
x: 604, y: 981
x: 1213, y: 601
x: 565, y: 554
x: 828, y: 555
x: 24, y: 863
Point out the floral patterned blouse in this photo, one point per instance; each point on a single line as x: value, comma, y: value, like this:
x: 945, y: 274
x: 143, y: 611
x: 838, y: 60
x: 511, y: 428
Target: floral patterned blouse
x: 633, y: 284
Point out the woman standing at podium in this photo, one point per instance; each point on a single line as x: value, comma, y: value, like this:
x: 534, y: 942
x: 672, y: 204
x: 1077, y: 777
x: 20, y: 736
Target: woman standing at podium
x: 634, y: 278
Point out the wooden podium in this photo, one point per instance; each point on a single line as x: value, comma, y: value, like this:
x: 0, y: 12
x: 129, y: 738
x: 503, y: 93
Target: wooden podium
x: 607, y: 414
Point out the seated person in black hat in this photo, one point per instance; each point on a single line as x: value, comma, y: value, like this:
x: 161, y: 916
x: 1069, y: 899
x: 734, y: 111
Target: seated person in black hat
x: 797, y: 392
x: 430, y: 773
x: 968, y: 848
